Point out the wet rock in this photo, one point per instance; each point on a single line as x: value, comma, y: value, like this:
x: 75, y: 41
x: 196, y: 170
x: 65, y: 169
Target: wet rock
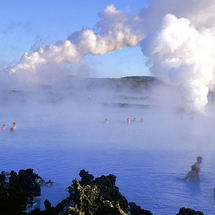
x: 2, y: 177
x: 99, y: 196
x: 41, y: 182
x: 89, y: 196
x: 47, y: 205
x: 85, y: 177
x: 21, y: 190
x: 136, y: 210
x: 188, y: 211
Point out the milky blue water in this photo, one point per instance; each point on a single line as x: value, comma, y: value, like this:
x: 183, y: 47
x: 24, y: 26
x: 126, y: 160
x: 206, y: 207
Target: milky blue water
x: 59, y: 140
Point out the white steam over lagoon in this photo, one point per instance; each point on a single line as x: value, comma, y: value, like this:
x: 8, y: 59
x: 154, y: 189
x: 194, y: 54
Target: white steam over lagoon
x: 178, y: 44
x: 60, y: 133
x: 60, y: 113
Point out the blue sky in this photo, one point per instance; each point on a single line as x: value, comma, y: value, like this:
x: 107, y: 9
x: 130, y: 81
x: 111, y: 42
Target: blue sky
x: 25, y: 25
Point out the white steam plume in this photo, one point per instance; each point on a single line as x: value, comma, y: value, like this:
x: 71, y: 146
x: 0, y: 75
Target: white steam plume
x: 180, y: 50
x: 116, y: 31
x: 180, y: 54
x: 200, y: 13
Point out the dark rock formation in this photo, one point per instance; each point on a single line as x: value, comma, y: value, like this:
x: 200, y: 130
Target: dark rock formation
x: 188, y: 211
x: 86, y: 178
x: 136, y: 210
x: 100, y: 196
x: 18, y: 192
x: 2, y: 177
x: 93, y: 197
x: 89, y: 196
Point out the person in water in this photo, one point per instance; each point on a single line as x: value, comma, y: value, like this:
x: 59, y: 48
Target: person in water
x: 135, y: 119
x: 106, y: 121
x: 197, y: 164
x: 14, y: 127
x: 128, y: 120
x: 192, y: 175
x: 141, y: 120
x: 3, y: 127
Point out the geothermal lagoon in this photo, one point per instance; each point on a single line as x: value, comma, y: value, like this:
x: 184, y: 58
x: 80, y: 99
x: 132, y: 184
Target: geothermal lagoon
x: 60, y: 132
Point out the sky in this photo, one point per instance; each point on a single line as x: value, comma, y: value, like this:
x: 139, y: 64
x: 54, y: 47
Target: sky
x: 42, y: 42
x: 25, y: 25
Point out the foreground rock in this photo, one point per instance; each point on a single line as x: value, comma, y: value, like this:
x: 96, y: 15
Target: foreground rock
x: 89, y: 196
x: 18, y: 190
x: 188, y: 211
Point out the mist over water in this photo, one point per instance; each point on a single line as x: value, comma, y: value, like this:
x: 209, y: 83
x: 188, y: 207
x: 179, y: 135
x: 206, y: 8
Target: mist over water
x: 176, y: 39
x: 61, y: 132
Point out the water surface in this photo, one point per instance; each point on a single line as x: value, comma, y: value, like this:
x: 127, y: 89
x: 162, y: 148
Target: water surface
x: 59, y: 140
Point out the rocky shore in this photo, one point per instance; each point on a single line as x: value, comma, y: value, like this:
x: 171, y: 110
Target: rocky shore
x: 88, y: 196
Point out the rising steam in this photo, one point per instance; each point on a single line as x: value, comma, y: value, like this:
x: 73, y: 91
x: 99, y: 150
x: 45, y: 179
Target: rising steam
x: 177, y: 36
x: 116, y: 30
x: 181, y: 55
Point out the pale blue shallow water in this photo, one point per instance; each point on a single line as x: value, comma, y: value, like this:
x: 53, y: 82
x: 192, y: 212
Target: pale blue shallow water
x: 58, y: 141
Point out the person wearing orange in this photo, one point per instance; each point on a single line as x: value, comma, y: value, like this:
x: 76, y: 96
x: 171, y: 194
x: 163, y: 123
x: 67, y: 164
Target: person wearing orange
x: 14, y: 127
x: 106, y: 121
x: 197, y: 164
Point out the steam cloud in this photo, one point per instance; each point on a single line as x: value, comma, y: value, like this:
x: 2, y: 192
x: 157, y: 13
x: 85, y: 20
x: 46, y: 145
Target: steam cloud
x: 180, y: 54
x: 177, y: 36
x: 116, y: 31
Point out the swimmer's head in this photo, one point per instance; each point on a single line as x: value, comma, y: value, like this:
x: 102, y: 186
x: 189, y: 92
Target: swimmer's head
x: 199, y: 158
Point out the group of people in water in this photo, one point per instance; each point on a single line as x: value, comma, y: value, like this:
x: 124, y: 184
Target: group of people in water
x: 134, y: 120
x: 12, y: 128
x: 128, y: 120
x: 193, y: 174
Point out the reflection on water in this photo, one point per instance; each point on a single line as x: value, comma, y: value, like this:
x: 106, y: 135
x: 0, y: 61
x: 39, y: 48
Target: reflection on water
x: 147, y: 157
